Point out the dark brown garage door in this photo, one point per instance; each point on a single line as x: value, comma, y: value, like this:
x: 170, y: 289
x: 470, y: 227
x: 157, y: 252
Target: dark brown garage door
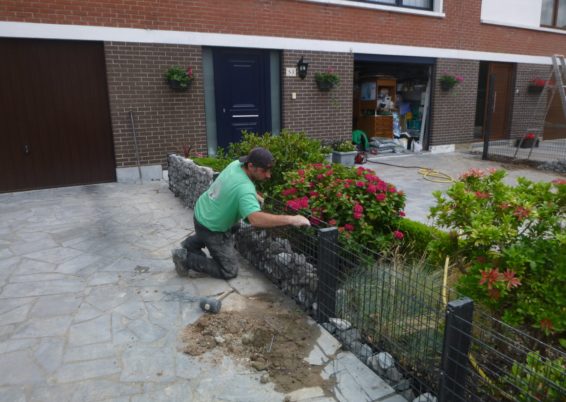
x: 55, y: 120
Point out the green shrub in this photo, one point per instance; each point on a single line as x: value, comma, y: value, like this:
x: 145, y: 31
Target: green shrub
x: 215, y: 163
x: 425, y: 241
x: 344, y: 146
x: 511, y: 246
x: 289, y: 149
x: 530, y: 381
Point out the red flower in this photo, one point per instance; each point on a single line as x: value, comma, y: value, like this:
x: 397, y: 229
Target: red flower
x: 512, y: 281
x: 380, y: 197
x: 398, y: 234
x: 332, y: 222
x: 521, y: 213
x: 313, y: 194
x: 360, y: 184
x: 329, y: 172
x: 402, y: 213
x: 301, y: 172
x: 489, y: 277
x: 559, y: 182
x: 358, y: 215
x: 529, y: 136
x: 481, y: 195
x: 320, y: 176
x: 349, y: 227
x: 546, y: 325
x: 289, y: 191
x: 358, y: 208
x: 371, y: 189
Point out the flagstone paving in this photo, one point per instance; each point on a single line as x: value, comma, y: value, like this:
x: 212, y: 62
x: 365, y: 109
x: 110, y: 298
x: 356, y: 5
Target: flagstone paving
x: 91, y: 308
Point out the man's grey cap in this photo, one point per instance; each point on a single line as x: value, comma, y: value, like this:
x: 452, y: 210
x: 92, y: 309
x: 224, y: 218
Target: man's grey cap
x: 259, y: 157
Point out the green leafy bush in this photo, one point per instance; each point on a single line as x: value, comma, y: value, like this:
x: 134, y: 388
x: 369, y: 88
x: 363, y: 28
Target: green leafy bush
x: 510, y: 246
x: 425, y: 241
x: 289, y: 149
x: 183, y: 76
x: 530, y: 381
x: 216, y: 164
x: 365, y: 208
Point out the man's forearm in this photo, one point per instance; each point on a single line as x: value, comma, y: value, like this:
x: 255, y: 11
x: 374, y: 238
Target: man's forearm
x: 267, y: 220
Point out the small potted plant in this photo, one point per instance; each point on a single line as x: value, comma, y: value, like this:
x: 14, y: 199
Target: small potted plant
x: 179, y: 78
x: 344, y: 152
x: 448, y: 81
x: 536, y: 85
x: 327, y: 79
x: 528, y: 141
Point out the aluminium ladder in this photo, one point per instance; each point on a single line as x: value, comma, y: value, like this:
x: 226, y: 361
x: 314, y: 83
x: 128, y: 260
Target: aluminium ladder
x: 558, y: 85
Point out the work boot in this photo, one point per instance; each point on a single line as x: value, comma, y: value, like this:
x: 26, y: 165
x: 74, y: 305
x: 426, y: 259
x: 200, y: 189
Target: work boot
x: 180, y: 259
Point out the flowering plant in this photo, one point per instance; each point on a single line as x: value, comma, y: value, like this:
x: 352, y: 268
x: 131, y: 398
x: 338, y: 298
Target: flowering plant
x: 537, y: 82
x: 511, y: 246
x: 363, y: 207
x: 180, y: 75
x: 448, y: 80
x: 529, y: 136
x: 328, y: 77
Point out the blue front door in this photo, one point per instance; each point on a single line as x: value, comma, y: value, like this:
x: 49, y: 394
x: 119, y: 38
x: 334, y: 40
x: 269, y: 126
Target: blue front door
x: 241, y: 89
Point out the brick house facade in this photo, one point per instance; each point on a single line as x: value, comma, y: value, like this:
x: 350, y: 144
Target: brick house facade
x: 142, y: 38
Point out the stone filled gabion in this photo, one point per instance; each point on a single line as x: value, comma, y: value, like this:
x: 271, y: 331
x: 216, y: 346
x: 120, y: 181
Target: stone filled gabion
x: 557, y: 166
x: 187, y: 180
x: 274, y: 256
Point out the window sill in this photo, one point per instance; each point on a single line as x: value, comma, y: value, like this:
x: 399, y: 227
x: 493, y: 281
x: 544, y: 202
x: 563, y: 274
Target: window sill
x: 540, y: 29
x: 380, y: 7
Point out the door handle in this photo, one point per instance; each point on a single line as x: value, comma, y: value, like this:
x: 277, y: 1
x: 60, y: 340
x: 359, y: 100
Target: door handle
x: 239, y: 116
x: 26, y: 150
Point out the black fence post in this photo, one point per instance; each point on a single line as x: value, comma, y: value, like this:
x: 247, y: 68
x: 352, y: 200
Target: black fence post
x: 327, y: 273
x: 488, y: 116
x: 457, y: 340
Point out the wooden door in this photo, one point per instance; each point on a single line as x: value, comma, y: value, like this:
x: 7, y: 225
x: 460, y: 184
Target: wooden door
x: 55, y: 128
x: 500, y: 114
x: 242, y: 92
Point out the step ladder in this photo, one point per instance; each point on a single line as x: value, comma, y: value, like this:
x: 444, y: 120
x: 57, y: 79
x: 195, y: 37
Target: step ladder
x: 559, y: 72
x: 554, y: 85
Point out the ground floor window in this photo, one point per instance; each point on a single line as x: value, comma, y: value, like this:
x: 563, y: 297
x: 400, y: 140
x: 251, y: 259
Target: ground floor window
x: 553, y: 13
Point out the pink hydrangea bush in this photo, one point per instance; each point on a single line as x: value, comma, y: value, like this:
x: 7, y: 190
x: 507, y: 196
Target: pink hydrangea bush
x: 363, y: 207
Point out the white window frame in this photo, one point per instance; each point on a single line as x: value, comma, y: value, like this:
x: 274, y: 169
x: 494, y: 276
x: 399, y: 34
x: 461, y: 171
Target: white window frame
x: 437, y: 7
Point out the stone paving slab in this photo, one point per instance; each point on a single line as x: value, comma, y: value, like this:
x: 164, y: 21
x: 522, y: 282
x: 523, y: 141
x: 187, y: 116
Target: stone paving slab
x: 91, y: 308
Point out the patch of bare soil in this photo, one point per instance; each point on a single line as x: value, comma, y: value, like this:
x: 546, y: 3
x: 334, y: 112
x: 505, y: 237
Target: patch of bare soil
x: 262, y: 333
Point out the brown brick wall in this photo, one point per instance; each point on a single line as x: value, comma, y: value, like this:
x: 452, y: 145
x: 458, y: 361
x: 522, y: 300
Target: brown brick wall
x: 323, y: 115
x: 453, y: 112
x: 528, y: 109
x: 460, y: 29
x: 165, y: 120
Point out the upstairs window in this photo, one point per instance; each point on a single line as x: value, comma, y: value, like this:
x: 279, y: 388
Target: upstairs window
x: 420, y: 4
x: 553, y: 14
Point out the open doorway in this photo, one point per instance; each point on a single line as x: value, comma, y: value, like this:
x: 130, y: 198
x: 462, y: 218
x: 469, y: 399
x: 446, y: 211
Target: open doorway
x: 391, y: 101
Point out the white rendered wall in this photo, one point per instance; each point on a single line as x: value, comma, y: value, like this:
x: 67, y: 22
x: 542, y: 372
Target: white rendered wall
x: 524, y: 13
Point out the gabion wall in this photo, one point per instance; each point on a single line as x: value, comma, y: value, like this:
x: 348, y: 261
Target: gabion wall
x: 187, y: 180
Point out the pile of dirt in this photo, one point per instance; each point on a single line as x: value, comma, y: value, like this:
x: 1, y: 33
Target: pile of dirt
x: 265, y: 334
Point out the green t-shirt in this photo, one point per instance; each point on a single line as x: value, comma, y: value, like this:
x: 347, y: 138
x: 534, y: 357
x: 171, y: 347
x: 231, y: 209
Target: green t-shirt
x: 230, y: 198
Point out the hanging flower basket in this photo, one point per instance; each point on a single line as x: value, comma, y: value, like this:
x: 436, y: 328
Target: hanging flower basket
x: 177, y: 85
x: 445, y: 86
x: 534, y: 89
x: 179, y: 78
x: 324, y: 85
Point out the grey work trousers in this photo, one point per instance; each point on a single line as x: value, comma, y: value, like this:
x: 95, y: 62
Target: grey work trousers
x: 224, y: 262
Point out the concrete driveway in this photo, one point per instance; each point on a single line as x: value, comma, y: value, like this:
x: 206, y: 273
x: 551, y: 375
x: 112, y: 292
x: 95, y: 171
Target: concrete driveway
x: 405, y: 175
x: 91, y: 308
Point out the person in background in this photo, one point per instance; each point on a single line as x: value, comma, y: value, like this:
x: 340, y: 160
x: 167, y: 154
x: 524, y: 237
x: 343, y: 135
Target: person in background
x: 218, y: 212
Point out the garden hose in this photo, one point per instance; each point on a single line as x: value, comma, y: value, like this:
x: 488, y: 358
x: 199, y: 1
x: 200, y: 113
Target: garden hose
x: 428, y: 174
